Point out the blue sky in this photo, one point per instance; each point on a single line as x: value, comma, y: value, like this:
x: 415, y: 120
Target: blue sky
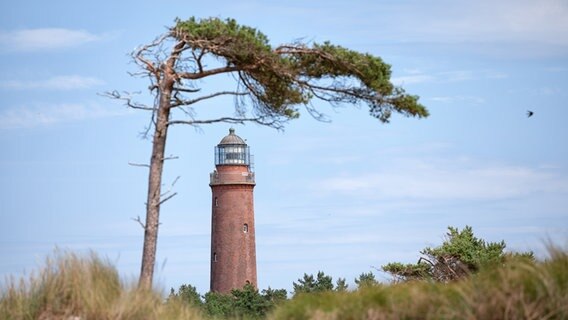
x: 342, y: 197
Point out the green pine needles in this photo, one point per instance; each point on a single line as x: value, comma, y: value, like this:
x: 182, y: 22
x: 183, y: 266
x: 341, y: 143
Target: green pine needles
x: 280, y: 78
x: 460, y: 255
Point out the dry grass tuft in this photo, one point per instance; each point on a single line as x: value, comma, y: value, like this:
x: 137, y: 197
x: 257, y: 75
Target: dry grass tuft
x: 74, y: 287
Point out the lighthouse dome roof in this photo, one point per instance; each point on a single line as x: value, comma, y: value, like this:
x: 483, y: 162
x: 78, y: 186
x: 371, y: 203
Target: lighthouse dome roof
x: 232, y: 138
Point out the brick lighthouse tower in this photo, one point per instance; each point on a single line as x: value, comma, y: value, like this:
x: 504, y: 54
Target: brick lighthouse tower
x: 233, y: 252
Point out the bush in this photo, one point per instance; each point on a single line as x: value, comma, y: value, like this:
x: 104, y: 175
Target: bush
x: 246, y: 303
x: 309, y: 284
x: 187, y: 294
x: 460, y: 255
x: 519, y: 289
x: 366, y: 280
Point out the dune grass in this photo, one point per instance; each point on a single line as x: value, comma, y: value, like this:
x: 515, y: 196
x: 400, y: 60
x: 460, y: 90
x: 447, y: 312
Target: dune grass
x: 74, y: 287
x: 521, y: 289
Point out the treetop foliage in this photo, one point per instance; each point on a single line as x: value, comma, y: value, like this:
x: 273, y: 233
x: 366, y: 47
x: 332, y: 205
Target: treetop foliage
x: 472, y: 251
x: 460, y: 254
x: 309, y: 283
x: 221, y: 32
x: 279, y: 78
x: 409, y: 271
x: 341, y: 285
x: 187, y: 294
x: 245, y: 303
x: 366, y: 280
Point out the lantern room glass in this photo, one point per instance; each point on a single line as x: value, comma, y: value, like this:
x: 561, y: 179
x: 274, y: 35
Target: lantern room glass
x: 232, y: 154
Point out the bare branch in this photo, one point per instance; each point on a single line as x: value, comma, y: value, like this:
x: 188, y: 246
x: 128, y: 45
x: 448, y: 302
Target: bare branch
x: 424, y: 259
x: 139, y: 165
x: 188, y: 112
x: 171, y: 158
x: 175, y: 180
x: 259, y: 120
x: 179, y: 102
x: 128, y: 100
x: 314, y: 113
x: 139, y: 54
x: 168, y: 198
x: 206, y: 73
x: 186, y: 90
x: 140, y: 222
x: 198, y: 59
x: 138, y: 74
x: 171, y: 187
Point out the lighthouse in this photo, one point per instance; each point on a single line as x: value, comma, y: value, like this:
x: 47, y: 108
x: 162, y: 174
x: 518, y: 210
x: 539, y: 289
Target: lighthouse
x: 233, y: 251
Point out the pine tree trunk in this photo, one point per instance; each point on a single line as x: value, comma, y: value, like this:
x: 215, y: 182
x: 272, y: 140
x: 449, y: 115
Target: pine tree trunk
x: 154, y: 186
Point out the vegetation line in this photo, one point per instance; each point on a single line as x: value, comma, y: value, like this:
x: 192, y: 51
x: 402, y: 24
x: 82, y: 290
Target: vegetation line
x: 508, y: 286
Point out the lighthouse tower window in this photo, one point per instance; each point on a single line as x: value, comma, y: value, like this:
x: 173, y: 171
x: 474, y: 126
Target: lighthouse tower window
x: 245, y: 228
x: 214, y: 256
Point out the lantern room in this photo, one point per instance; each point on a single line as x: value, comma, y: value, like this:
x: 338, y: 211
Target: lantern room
x: 232, y: 150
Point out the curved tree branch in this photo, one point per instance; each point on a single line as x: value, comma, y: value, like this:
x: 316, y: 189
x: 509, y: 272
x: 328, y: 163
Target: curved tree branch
x: 128, y: 100
x: 259, y: 120
x: 206, y: 73
x: 180, y: 102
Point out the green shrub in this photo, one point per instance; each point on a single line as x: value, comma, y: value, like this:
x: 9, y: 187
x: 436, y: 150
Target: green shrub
x: 246, y: 303
x: 459, y: 256
x: 518, y: 289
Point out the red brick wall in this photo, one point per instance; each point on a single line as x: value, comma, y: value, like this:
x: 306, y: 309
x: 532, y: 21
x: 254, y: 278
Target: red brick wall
x: 233, y: 251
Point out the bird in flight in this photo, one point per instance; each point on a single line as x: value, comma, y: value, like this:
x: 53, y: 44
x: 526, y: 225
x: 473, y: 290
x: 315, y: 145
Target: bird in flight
x: 529, y: 113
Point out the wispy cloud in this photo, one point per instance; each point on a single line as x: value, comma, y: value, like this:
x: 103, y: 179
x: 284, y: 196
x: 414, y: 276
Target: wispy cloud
x: 416, y: 76
x: 27, y: 40
x: 55, y: 83
x: 411, y: 79
x: 506, y: 28
x: 489, y: 21
x: 44, y: 115
x: 462, y: 99
x: 447, y: 180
